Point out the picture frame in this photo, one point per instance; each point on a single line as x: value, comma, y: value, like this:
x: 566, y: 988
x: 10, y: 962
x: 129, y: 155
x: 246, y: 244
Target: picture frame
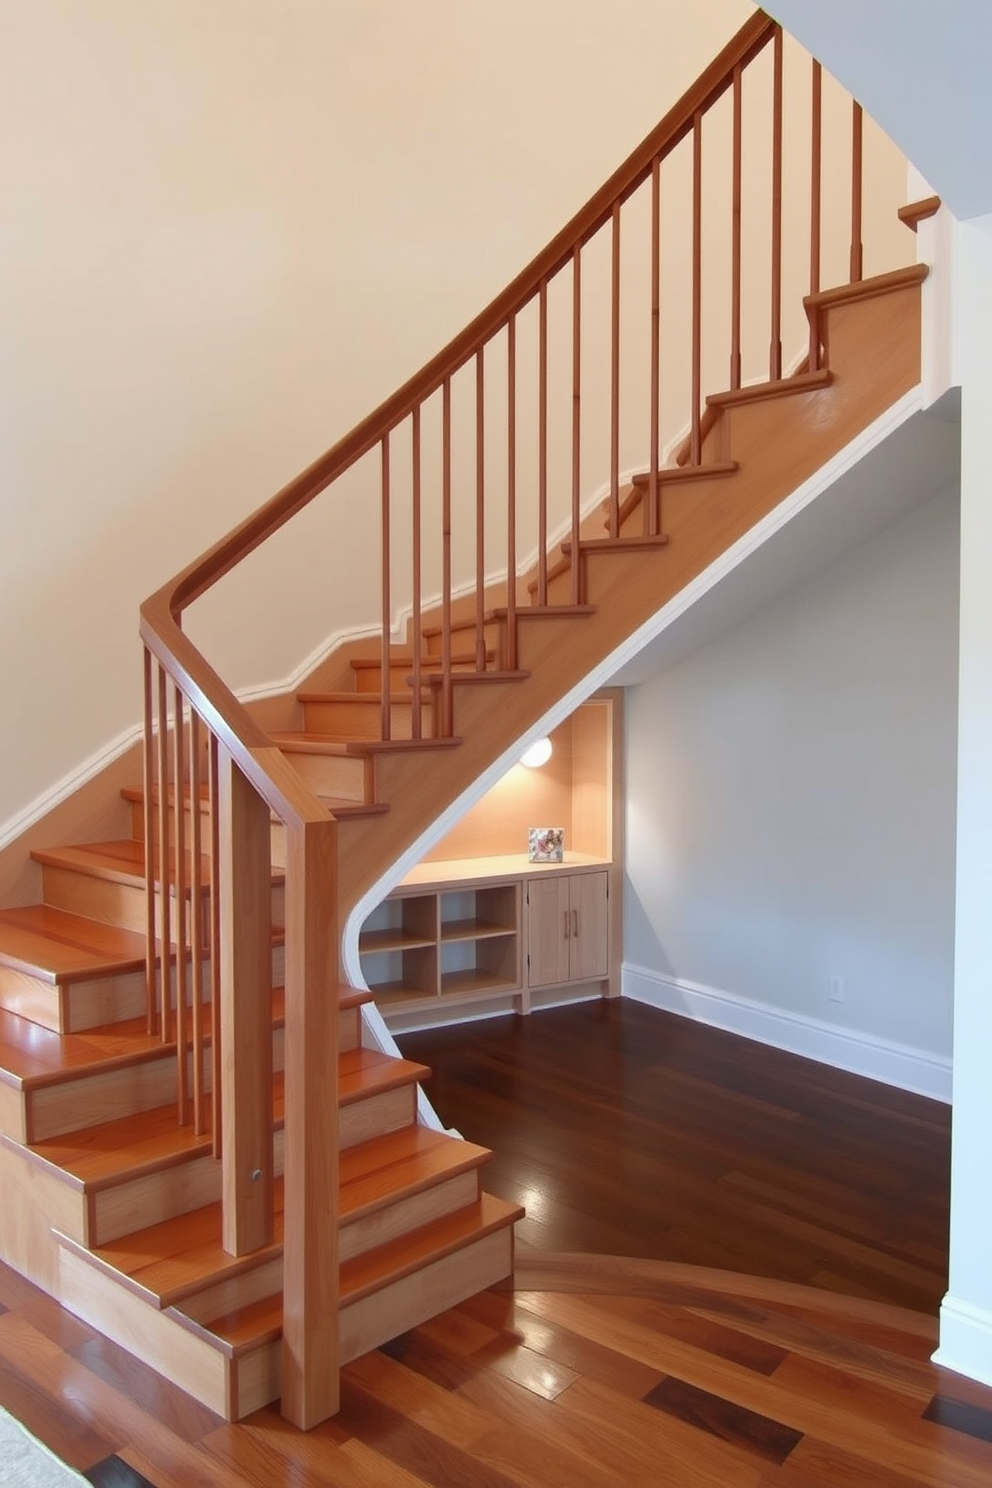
x: 545, y: 844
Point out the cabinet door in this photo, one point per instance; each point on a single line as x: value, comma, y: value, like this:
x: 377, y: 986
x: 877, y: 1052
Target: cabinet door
x: 549, y: 928
x: 590, y: 926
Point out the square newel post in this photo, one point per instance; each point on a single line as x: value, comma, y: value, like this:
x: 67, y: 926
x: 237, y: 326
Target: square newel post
x: 245, y: 886
x: 310, y: 1387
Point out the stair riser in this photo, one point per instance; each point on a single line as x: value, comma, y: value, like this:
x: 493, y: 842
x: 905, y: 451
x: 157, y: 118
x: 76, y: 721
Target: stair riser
x: 108, y: 1095
x: 361, y: 720
x: 373, y: 1320
x: 155, y: 1337
x: 463, y: 634
x: 386, y: 1111
x: 351, y: 779
x: 120, y: 904
x: 407, y: 1214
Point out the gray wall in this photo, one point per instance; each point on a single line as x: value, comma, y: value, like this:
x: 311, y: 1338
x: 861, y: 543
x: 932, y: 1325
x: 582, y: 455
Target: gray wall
x: 791, y: 796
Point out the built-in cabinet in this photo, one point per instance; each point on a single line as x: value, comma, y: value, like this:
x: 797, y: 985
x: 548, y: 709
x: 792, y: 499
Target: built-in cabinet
x: 568, y: 928
x: 476, y: 927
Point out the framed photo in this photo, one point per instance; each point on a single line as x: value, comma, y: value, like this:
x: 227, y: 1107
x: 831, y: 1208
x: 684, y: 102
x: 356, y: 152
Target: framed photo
x: 545, y: 844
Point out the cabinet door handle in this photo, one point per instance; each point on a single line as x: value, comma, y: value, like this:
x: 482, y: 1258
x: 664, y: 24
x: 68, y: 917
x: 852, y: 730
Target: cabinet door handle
x: 565, y: 918
x: 575, y: 923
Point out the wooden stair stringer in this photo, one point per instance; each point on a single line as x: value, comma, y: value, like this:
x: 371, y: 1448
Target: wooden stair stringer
x: 778, y: 444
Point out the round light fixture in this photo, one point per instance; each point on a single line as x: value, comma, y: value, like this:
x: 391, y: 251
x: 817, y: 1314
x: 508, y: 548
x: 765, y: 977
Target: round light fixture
x: 538, y: 754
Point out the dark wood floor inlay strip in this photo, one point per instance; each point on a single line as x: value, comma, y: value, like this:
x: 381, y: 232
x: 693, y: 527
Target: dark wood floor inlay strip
x: 972, y: 1420
x: 722, y: 1418
x: 115, y: 1473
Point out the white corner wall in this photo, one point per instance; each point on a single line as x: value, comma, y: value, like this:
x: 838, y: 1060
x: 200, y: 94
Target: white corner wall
x: 791, y: 812
x: 230, y: 228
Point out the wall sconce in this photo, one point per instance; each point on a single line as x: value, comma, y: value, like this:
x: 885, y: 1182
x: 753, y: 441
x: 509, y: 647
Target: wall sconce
x: 537, y: 754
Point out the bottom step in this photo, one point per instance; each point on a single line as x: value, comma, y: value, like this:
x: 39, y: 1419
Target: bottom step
x: 232, y: 1365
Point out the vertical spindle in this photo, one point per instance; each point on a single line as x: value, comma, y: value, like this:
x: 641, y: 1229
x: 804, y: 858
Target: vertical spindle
x: 384, y: 668
x: 615, y: 375
x: 651, y: 512
x: 164, y: 915
x: 735, y: 252
x: 215, y: 952
x: 775, y: 352
x: 417, y: 576
x: 182, y: 885
x: 576, y: 420
x: 480, y: 510
x: 857, y: 145
x: 510, y: 654
x: 196, y: 917
x: 815, y: 199
x: 148, y: 808
x: 542, y: 446
x: 447, y: 707
x: 696, y: 440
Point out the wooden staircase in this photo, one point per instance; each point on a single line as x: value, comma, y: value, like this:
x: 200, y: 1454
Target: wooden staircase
x: 115, y: 1208
x: 223, y: 1275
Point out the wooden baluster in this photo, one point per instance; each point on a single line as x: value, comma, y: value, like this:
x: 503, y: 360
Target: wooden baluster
x: 775, y: 353
x: 542, y: 446
x: 386, y: 619
x: 148, y: 768
x: 510, y: 659
x: 417, y: 571
x: 857, y: 145
x: 196, y: 938
x: 735, y: 252
x: 164, y: 903
x: 651, y: 512
x: 816, y: 193
x: 182, y: 883
x: 696, y: 440
x: 480, y: 510
x: 243, y: 878
x: 216, y: 1073
x: 447, y: 707
x: 576, y: 421
x: 615, y: 376
x: 310, y: 1252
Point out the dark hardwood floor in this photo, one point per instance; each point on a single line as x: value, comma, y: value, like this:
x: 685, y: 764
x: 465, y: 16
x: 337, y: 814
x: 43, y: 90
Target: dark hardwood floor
x: 628, y: 1131
x: 662, y: 1150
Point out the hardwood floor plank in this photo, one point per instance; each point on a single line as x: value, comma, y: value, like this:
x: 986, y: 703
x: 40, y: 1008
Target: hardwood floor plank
x: 731, y: 1423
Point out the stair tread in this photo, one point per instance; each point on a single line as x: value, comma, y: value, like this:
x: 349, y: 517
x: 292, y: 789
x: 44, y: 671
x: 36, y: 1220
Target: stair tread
x: 32, y: 1056
x: 245, y: 1328
x: 179, y: 1256
x: 337, y: 805
x: 364, y: 1070
x: 799, y: 382
x: 617, y: 544
x: 300, y: 742
x: 461, y: 679
x: 65, y: 947
x: 366, y: 699
x: 675, y: 474
x: 405, y: 659
x: 121, y: 861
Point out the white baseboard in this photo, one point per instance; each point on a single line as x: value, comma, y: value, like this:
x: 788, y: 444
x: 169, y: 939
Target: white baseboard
x: 844, y: 1048
x: 965, y: 1339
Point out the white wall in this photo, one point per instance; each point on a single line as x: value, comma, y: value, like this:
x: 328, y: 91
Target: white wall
x: 791, y: 799
x: 231, y: 227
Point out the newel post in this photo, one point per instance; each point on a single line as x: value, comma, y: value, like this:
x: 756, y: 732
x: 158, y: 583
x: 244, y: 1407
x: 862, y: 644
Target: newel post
x: 245, y: 887
x: 310, y: 1389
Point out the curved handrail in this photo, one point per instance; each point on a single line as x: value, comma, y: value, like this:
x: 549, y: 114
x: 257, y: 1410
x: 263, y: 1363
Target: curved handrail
x: 160, y: 613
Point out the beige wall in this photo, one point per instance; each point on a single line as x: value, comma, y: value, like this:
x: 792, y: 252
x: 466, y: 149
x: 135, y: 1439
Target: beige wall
x: 231, y: 227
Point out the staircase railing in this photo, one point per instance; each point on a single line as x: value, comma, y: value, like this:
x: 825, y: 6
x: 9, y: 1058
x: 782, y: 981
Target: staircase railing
x: 672, y: 278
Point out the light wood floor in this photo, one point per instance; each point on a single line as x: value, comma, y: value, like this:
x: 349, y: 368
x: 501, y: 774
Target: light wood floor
x: 591, y: 1370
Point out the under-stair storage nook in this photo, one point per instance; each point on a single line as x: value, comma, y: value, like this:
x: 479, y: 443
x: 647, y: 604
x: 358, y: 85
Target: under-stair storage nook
x: 475, y: 926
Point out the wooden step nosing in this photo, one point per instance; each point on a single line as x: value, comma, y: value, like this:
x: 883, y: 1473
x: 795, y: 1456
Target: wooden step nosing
x: 867, y: 289
x: 410, y: 1187
x: 618, y: 544
x: 432, y: 1252
x: 800, y: 382
x: 673, y: 474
